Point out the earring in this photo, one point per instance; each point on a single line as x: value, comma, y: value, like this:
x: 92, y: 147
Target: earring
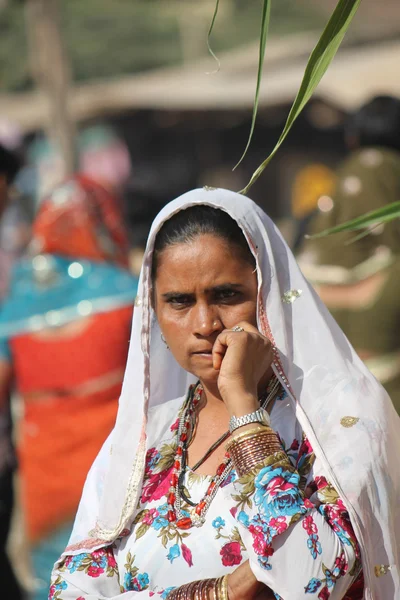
x: 165, y: 341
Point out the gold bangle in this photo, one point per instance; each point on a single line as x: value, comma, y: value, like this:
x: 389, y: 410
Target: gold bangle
x: 239, y: 436
x: 271, y: 437
x: 224, y: 588
x: 265, y: 436
x: 250, y: 452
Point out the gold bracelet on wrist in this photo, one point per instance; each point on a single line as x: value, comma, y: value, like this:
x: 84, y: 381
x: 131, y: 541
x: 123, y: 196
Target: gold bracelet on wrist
x: 243, y: 434
x: 252, y: 449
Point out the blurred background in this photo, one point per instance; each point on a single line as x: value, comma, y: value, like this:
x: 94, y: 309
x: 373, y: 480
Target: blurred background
x: 126, y: 94
x: 165, y: 121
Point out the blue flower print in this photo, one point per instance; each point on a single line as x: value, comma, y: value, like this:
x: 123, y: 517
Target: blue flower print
x: 218, y: 522
x: 243, y: 518
x: 127, y: 582
x: 153, y: 461
x: 312, y: 586
x: 165, y: 593
x: 61, y: 586
x: 75, y: 562
x: 174, y: 552
x: 329, y: 578
x: 143, y: 579
x: 163, y: 509
x: 314, y: 545
x: 277, y: 492
x: 263, y: 562
x: 159, y: 522
x: 258, y: 521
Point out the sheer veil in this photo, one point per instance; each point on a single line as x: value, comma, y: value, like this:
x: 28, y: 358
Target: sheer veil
x: 344, y: 411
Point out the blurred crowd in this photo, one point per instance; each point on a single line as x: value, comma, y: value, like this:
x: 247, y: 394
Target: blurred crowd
x: 69, y: 269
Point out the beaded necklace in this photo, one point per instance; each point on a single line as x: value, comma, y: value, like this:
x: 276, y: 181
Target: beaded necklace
x: 197, y: 512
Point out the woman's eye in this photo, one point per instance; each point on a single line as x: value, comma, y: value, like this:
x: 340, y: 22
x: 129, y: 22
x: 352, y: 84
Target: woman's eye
x: 227, y: 294
x: 179, y: 301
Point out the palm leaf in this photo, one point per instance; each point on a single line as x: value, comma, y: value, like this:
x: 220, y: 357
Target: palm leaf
x: 320, y: 59
x: 209, y: 37
x: 266, y: 12
x: 381, y: 215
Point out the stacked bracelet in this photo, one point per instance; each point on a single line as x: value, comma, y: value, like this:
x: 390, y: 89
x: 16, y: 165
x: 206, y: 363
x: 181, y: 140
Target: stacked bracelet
x: 251, y: 448
x: 199, y: 590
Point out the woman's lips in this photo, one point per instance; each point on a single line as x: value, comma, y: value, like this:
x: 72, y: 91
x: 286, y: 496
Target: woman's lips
x: 207, y: 354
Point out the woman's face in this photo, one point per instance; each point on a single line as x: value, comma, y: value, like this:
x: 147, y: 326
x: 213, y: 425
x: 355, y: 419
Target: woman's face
x: 201, y: 288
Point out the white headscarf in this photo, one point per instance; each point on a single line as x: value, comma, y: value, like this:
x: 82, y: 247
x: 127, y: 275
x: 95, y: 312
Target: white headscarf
x: 343, y: 410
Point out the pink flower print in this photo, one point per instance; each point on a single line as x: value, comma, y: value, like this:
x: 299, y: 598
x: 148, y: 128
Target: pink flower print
x: 324, y: 593
x: 277, y: 485
x: 321, y: 482
x: 94, y: 571
x: 150, y: 516
x: 52, y: 591
x: 111, y: 560
x: 97, y: 555
x: 175, y: 425
x: 156, y: 486
x: 187, y: 555
x: 341, y: 565
x: 231, y: 554
x: 279, y: 524
x: 295, y: 445
x: 308, y: 503
x: 151, y: 457
x: 309, y: 525
x: 233, y: 511
x: 260, y: 545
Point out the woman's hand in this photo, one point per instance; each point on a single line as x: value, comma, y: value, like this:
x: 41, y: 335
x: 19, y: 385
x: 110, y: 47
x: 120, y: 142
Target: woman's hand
x: 242, y: 358
x: 242, y: 585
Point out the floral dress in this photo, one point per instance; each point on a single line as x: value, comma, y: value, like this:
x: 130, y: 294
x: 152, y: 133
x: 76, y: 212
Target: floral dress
x: 287, y: 520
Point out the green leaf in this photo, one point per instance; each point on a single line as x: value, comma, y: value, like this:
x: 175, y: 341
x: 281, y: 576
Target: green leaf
x: 209, y: 36
x: 320, y: 59
x: 266, y: 12
x: 381, y: 215
x: 141, y: 530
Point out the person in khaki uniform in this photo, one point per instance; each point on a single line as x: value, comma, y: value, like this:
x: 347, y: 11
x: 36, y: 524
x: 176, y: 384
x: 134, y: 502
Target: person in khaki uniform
x: 359, y: 279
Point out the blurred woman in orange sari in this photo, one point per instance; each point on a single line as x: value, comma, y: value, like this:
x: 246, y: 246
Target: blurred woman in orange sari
x: 64, y: 333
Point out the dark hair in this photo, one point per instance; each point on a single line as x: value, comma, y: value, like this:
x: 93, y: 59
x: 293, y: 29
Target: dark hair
x: 9, y: 164
x: 187, y: 224
x: 376, y: 123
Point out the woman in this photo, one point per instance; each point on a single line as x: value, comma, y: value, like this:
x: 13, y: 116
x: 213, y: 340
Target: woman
x: 64, y: 332
x: 358, y: 279
x: 195, y: 483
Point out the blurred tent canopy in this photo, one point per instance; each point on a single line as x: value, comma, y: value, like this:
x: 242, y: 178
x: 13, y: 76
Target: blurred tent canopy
x: 146, y: 39
x: 357, y: 73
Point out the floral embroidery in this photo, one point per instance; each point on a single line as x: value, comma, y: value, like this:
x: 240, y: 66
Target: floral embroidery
x: 133, y: 580
x: 231, y: 552
x: 277, y: 492
x: 168, y: 532
x: 94, y: 564
x: 265, y: 503
x: 313, y: 539
x: 57, y: 586
x: 328, y: 582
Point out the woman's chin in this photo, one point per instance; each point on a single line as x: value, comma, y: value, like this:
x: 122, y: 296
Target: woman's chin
x: 205, y: 372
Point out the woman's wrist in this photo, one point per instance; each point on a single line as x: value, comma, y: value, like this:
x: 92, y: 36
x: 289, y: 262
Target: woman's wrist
x: 242, y: 404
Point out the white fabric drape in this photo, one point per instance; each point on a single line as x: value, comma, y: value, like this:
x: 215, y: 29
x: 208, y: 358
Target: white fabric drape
x: 344, y: 411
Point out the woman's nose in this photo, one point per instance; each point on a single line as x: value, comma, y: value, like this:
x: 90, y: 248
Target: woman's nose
x: 207, y: 322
